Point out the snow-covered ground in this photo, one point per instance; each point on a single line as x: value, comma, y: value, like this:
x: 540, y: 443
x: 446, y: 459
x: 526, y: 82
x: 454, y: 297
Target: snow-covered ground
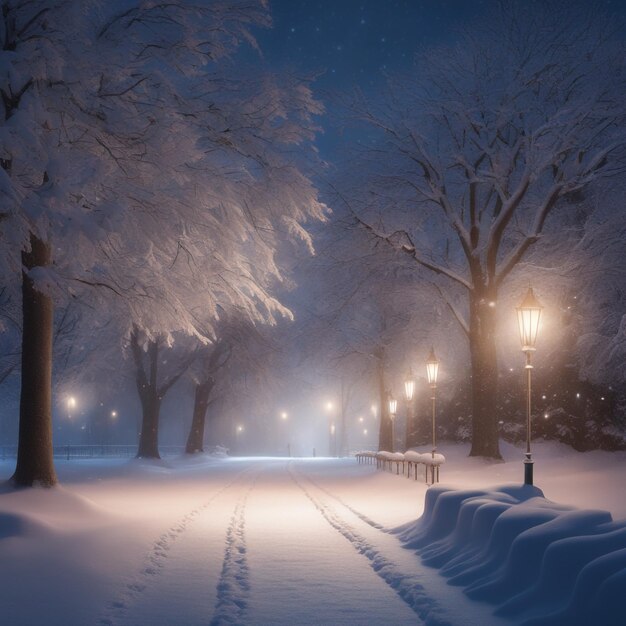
x: 261, y: 541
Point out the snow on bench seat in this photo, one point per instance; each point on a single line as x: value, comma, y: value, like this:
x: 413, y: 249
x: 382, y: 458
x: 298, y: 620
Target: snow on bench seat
x: 430, y: 461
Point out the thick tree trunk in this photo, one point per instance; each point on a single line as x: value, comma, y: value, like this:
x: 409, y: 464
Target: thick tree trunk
x: 149, y: 437
x: 484, y: 385
x: 343, y: 421
x: 150, y: 405
x: 195, y: 440
x: 35, y: 463
x: 385, y: 428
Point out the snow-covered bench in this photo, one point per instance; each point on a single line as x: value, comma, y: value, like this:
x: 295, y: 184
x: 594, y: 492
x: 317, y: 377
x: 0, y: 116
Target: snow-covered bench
x: 411, y: 459
x: 384, y: 459
x: 366, y: 456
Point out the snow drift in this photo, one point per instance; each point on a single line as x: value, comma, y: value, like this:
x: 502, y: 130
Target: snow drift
x: 541, y: 563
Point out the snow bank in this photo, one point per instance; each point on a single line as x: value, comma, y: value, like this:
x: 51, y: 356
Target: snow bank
x: 541, y: 563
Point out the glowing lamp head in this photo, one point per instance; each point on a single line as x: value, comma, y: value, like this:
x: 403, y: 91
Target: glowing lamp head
x: 409, y: 385
x: 393, y: 405
x: 432, y: 368
x: 284, y: 415
x: 528, y: 317
x: 71, y: 402
x: 113, y: 414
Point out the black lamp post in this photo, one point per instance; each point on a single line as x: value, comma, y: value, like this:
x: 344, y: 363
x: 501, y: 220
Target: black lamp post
x: 432, y: 371
x: 393, y: 408
x: 528, y: 316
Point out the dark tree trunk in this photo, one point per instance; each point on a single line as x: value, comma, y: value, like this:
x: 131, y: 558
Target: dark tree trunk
x: 150, y: 405
x: 484, y: 382
x: 343, y: 420
x: 195, y: 440
x: 149, y: 436
x: 35, y: 463
x: 384, y: 433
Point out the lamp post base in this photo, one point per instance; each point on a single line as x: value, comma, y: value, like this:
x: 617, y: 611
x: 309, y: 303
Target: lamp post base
x: 528, y: 469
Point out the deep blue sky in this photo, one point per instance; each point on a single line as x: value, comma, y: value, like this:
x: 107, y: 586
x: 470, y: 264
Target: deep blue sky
x: 355, y: 42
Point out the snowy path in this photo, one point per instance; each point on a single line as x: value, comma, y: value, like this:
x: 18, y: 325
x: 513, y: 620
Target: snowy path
x: 281, y: 561
x: 272, y: 545
x: 241, y: 541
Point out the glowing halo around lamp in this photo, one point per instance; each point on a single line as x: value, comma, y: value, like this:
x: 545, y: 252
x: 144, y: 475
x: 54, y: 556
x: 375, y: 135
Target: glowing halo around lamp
x: 409, y: 385
x: 393, y: 405
x: 393, y: 408
x: 432, y: 371
x: 432, y: 368
x: 528, y: 318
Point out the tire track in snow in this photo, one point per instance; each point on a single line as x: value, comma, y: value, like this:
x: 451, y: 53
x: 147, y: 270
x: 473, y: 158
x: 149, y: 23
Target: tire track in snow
x: 156, y: 558
x: 233, y: 588
x: 407, y: 586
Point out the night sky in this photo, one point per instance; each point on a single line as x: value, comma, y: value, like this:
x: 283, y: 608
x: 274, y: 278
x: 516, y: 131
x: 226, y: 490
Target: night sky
x: 349, y: 43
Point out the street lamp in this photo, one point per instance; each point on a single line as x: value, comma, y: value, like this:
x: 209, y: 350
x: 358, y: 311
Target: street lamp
x: 409, y: 389
x: 393, y: 407
x: 284, y: 415
x: 432, y: 371
x: 71, y: 404
x: 528, y: 316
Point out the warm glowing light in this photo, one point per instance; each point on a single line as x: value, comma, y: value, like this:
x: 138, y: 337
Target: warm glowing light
x: 409, y: 385
x: 113, y: 413
x: 432, y: 368
x: 528, y: 317
x: 361, y: 420
x: 365, y: 431
x: 332, y: 429
x: 546, y: 415
x: 393, y: 405
x: 330, y: 406
x: 71, y: 402
x: 284, y: 415
x: 239, y: 429
x: 578, y: 395
x: 374, y: 410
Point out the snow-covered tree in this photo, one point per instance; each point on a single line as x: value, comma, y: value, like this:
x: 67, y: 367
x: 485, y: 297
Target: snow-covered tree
x: 366, y: 319
x: 475, y: 150
x: 136, y: 162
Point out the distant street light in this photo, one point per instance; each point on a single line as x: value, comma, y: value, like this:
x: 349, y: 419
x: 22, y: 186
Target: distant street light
x: 528, y: 317
x: 113, y: 414
x: 409, y: 390
x: 284, y: 415
x: 432, y: 371
x: 393, y: 407
x: 71, y: 404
